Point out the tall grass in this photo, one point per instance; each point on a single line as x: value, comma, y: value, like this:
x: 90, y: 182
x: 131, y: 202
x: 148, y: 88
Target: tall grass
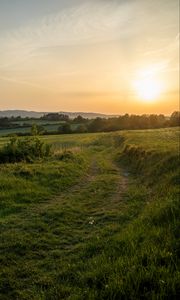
x: 100, y: 223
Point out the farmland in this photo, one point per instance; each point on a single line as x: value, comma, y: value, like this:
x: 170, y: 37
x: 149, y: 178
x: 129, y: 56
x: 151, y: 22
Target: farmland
x: 98, y: 219
x: 24, y: 127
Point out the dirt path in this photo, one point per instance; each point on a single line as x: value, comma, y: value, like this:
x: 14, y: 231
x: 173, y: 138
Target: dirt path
x: 100, y: 191
x: 51, y: 238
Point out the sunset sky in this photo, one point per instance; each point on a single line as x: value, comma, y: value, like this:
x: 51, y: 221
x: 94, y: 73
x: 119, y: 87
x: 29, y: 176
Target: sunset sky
x: 109, y: 56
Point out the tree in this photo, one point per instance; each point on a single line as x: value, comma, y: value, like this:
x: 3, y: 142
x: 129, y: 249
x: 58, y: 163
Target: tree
x: 96, y: 125
x: 36, y: 129
x: 55, y: 117
x: 65, y: 128
x: 175, y: 118
x: 79, y: 120
x: 81, y: 129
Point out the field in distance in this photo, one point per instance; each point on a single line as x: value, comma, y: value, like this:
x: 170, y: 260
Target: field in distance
x: 97, y: 219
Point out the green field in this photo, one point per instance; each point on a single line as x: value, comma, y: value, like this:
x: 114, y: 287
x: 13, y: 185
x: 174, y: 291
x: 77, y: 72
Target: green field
x: 25, y: 127
x: 99, y: 219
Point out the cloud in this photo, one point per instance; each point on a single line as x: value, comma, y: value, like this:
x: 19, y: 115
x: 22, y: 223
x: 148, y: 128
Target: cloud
x: 28, y: 83
x: 171, y: 46
x: 167, y: 56
x: 27, y: 54
x: 90, y: 22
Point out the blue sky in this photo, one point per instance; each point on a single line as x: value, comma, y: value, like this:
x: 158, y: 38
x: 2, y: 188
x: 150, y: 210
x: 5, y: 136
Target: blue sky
x: 15, y: 13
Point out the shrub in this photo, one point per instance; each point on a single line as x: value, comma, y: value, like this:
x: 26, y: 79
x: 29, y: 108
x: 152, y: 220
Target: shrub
x: 66, y: 155
x: 26, y: 150
x: 65, y: 128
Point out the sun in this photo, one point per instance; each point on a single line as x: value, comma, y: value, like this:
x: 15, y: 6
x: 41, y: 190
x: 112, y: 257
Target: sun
x: 148, y: 89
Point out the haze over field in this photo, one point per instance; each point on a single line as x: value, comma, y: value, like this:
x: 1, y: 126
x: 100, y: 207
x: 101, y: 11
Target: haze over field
x: 106, y: 56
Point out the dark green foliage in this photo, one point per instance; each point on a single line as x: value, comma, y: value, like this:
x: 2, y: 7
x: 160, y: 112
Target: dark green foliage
x: 175, y: 118
x: 97, y: 125
x: 4, y: 122
x: 55, y: 117
x: 54, y: 123
x: 64, y: 128
x: 37, y: 130
x: 81, y: 128
x: 80, y: 120
x: 26, y: 150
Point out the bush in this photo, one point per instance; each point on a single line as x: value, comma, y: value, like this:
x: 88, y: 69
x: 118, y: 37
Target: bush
x: 66, y: 155
x: 65, y: 128
x: 26, y: 150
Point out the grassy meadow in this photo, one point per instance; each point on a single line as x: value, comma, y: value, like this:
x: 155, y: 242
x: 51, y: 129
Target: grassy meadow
x: 98, y: 219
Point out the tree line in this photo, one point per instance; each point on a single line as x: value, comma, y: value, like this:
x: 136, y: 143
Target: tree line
x: 126, y: 121
x: 82, y: 125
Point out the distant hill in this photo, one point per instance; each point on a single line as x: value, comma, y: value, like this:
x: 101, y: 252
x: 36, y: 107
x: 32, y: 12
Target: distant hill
x: 21, y: 113
x: 35, y: 114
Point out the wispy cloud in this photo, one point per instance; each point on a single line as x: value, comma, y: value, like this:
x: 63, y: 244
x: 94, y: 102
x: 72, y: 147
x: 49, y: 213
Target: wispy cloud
x: 170, y: 46
x: 88, y: 23
x: 38, y: 54
x: 27, y: 83
x: 166, y: 57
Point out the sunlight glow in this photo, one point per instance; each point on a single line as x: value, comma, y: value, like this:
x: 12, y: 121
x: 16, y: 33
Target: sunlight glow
x: 148, y: 89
